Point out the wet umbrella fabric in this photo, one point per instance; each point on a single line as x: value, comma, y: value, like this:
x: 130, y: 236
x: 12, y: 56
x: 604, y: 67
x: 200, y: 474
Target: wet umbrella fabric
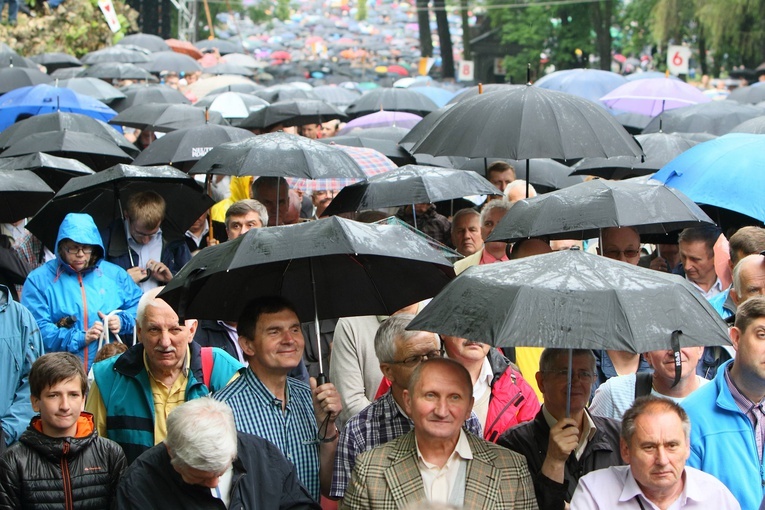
x: 117, y: 71
x: 93, y: 87
x: 56, y: 60
x: 724, y: 173
x: 22, y: 193
x: 410, y: 184
x: 546, y: 174
x: 234, y: 106
x: 590, y: 84
x: 172, y: 62
x: 149, y: 41
x: 279, y: 155
x: 191, y: 144
x: 122, y: 54
x: 164, y: 117
x: 347, y: 265
x: 380, y: 120
x: 653, y: 96
x: 755, y: 126
x: 99, y: 194
x: 145, y: 94
x: 96, y: 152
x: 12, y: 78
x: 716, y: 118
x: 575, y: 300
x: 388, y: 148
x: 292, y: 113
x: 53, y: 170
x: 394, y: 100
x: 534, y: 123
x: 581, y: 211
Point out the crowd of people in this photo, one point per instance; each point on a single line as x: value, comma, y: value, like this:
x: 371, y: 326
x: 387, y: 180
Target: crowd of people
x: 194, y: 413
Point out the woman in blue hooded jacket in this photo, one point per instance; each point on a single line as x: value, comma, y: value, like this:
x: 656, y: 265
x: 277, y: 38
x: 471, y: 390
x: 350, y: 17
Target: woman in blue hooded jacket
x: 72, y: 296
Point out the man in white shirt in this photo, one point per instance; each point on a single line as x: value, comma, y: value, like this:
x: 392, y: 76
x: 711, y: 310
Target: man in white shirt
x: 698, y: 257
x: 438, y: 460
x: 655, y: 442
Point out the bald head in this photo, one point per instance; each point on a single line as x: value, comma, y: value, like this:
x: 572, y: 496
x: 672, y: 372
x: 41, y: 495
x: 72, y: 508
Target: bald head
x: 621, y: 243
x: 748, y: 278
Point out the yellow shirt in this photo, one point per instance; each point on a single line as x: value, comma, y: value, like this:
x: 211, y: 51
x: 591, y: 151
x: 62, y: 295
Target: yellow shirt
x: 166, y: 399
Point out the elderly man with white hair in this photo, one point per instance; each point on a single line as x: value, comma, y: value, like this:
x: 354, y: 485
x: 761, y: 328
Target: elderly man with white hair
x: 204, y: 463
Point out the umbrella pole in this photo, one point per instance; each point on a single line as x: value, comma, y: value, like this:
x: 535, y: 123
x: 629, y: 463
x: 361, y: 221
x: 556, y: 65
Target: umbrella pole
x: 321, y: 378
x: 278, y: 189
x: 414, y: 216
x: 208, y: 186
x: 570, y: 380
x: 528, y: 179
x: 127, y: 234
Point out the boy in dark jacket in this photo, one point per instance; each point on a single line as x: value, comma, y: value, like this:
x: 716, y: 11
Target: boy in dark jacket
x: 59, y: 461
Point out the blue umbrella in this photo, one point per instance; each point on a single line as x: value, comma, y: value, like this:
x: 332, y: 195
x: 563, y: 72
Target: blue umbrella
x: 438, y: 95
x: 725, y: 173
x: 590, y: 84
x: 29, y: 101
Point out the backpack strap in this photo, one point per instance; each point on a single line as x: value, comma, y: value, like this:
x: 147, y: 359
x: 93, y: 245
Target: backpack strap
x: 643, y: 384
x: 207, y: 365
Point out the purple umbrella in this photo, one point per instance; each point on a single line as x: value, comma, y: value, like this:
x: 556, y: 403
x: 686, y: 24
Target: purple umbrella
x: 381, y: 119
x: 653, y: 96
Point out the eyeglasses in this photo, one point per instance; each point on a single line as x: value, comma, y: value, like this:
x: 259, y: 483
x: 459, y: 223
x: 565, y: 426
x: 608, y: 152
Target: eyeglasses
x: 415, y: 360
x: 614, y: 254
x: 74, y: 250
x: 584, y: 375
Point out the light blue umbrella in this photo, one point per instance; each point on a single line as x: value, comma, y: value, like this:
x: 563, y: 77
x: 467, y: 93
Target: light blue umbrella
x: 726, y: 173
x: 590, y: 84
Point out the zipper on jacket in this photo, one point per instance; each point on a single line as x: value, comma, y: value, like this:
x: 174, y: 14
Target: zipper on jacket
x: 68, y: 503
x: 84, y: 317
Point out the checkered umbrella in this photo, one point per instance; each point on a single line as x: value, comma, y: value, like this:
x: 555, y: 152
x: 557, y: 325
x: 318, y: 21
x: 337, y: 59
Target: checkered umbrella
x: 371, y: 162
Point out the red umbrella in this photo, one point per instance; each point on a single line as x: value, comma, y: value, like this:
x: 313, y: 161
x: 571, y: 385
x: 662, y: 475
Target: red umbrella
x: 281, y: 55
x: 399, y: 70
x: 184, y: 47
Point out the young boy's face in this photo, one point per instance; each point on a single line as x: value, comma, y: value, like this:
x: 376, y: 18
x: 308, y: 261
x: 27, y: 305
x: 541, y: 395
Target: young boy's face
x: 60, y: 406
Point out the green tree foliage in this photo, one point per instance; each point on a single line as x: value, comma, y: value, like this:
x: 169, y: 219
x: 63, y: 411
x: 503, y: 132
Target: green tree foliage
x: 734, y: 26
x: 77, y: 27
x: 531, y: 30
x: 361, y: 12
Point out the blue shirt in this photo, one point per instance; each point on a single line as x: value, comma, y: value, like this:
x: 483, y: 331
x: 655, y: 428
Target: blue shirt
x: 294, y: 431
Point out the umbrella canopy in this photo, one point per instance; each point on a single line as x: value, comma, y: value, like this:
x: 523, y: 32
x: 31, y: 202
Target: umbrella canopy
x: 22, y: 193
x: 590, y: 84
x: 223, y: 47
x: 752, y: 94
x: 64, y: 121
x: 653, y: 96
x: 725, y: 173
x: 183, y: 47
x: 328, y: 268
x: 124, y: 54
x: 94, y: 151
x: 381, y: 119
x: 284, y: 92
x: 100, y: 194
x: 117, y: 71
x: 292, y: 113
x: 189, y: 144
x: 279, y: 155
x: 93, y: 87
x: 243, y: 88
x: 55, y: 60
x: 755, y: 126
x: 29, y: 101
x: 12, y: 78
x: 53, y: 170
x: 151, y: 42
x: 391, y: 99
x: 146, y: 93
x: 480, y: 90
x: 581, y: 211
x: 228, y: 68
x: 232, y: 105
x: 716, y: 118
x: 171, y: 61
x: 410, y: 184
x: 546, y: 174
x: 660, y: 148
x: 338, y: 96
x: 164, y: 117
x: 15, y: 60
x: 206, y: 85
x: 576, y: 300
x: 438, y: 95
x: 388, y: 148
x: 534, y: 122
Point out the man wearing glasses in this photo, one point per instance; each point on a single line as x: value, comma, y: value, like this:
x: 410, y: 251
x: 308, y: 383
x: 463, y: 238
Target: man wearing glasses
x: 137, y: 244
x: 399, y: 352
x: 560, y: 449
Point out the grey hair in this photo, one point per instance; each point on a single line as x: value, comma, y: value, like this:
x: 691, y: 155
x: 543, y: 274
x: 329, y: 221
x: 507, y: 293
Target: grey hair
x: 737, y: 283
x: 501, y: 203
x: 520, y: 183
x: 201, y: 434
x: 393, y: 328
x: 550, y: 356
x: 243, y: 207
x: 651, y: 403
x: 148, y: 299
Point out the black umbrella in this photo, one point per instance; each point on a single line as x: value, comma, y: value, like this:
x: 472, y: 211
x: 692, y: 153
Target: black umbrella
x: 715, y: 117
x: 284, y: 92
x: 660, y: 148
x: 64, y: 73
x: 754, y: 126
x: 172, y: 62
x: 546, y: 174
x: 410, y: 184
x: 53, y: 170
x: 575, y: 300
x: 328, y: 268
x: 190, y: 144
x: 223, y: 47
x: 22, y: 193
x: 634, y: 123
x: 338, y: 96
x: 15, y: 60
x: 390, y: 149
x: 748, y: 95
x: 123, y: 54
x: 228, y: 68
x: 64, y: 121
x: 479, y: 90
x: 151, y: 42
x: 244, y: 88
x: 93, y: 87
x: 149, y: 93
x: 117, y: 71
x: 12, y: 78
x: 292, y: 113
x: 233, y: 106
x: 393, y: 99
x: 581, y: 211
x: 164, y: 117
x: 56, y: 60
x: 100, y: 196
x: 96, y: 152
x: 279, y: 155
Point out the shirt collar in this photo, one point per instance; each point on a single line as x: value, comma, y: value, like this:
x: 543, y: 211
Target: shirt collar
x: 186, y: 363
x: 589, y: 424
x: 693, y: 491
x: 461, y: 450
x: 716, y: 288
x: 488, y: 258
